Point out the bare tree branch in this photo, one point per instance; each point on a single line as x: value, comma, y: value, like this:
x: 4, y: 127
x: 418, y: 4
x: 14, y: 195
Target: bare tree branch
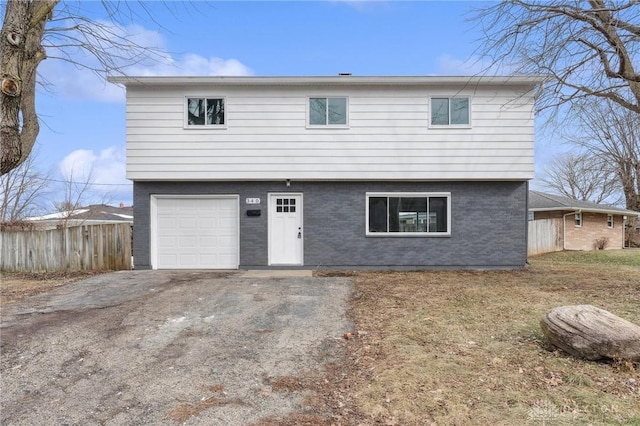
x: 583, y: 176
x: 22, y: 189
x: 586, y: 48
x: 612, y: 133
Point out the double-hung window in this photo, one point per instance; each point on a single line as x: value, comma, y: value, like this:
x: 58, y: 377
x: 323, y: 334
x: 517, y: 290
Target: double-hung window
x: 610, y: 221
x: 577, y: 220
x: 327, y: 112
x: 205, y: 112
x: 450, y: 111
x: 409, y: 214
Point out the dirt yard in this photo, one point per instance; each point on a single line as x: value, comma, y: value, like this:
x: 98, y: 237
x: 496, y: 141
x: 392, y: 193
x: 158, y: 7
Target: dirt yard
x: 465, y: 348
x: 16, y: 286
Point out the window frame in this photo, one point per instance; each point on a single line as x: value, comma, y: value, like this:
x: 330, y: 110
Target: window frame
x: 426, y: 234
x: 450, y: 126
x: 577, y: 220
x: 188, y: 126
x: 327, y: 125
x: 610, y: 221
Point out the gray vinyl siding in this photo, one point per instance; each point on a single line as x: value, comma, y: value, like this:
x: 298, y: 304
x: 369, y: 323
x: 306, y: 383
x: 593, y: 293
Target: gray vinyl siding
x: 488, y: 224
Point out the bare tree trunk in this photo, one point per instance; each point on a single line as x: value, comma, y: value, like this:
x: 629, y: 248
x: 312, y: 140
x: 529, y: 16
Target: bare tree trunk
x: 20, y: 53
x: 629, y: 173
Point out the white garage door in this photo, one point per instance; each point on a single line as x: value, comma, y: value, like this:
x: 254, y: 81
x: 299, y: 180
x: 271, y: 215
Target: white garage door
x: 195, y: 233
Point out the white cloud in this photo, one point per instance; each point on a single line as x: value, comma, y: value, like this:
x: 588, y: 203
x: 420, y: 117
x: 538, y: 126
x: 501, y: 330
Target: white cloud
x: 104, y: 172
x: 192, y: 64
x: 68, y: 80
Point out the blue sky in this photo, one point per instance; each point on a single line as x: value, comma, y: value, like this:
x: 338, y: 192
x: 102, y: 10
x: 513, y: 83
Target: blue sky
x: 84, y: 118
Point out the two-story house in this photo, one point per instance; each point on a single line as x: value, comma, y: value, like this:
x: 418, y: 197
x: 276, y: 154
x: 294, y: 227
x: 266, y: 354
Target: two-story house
x: 330, y: 172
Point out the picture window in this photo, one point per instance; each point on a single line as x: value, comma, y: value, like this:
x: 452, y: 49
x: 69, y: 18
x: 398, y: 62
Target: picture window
x: 409, y: 214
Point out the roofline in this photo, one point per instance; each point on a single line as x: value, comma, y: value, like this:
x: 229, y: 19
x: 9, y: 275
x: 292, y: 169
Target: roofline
x: 340, y: 80
x: 586, y: 210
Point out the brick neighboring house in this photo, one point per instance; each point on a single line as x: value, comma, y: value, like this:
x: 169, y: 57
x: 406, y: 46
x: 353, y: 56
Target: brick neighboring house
x: 583, y: 225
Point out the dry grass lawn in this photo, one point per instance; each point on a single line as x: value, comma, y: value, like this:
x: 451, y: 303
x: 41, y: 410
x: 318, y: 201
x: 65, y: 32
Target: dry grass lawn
x: 465, y: 348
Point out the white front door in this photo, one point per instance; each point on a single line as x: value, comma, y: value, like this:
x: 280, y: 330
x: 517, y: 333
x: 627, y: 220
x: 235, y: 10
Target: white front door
x: 285, y: 229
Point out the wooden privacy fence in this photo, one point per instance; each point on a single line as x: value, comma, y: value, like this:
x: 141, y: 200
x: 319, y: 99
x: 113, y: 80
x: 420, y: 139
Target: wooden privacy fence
x: 545, y: 235
x: 87, y: 247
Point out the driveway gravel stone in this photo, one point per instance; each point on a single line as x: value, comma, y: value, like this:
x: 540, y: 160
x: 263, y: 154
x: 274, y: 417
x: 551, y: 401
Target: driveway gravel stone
x: 168, y: 347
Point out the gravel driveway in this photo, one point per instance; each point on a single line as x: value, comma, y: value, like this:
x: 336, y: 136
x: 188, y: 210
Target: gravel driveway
x: 169, y: 347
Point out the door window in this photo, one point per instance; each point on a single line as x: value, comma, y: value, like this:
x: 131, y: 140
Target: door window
x: 285, y: 205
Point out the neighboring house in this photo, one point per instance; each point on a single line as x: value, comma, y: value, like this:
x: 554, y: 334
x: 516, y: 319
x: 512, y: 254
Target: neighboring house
x: 90, y: 215
x: 330, y: 172
x: 580, y: 225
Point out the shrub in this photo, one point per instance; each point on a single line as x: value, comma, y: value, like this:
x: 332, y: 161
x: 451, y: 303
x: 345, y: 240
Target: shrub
x: 602, y: 243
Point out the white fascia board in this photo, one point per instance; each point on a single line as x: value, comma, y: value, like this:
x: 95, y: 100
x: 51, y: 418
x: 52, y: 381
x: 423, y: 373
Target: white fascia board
x: 517, y: 80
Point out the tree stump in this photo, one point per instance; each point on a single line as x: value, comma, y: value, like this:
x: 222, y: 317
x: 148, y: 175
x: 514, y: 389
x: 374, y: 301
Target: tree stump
x: 586, y: 331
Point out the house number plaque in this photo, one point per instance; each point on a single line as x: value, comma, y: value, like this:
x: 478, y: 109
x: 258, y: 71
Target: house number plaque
x: 252, y: 201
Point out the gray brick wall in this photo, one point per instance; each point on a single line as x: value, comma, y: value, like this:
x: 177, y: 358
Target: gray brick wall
x: 488, y: 224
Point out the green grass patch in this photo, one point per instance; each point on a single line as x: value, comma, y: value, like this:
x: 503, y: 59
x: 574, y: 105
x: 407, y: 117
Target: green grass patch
x: 629, y: 257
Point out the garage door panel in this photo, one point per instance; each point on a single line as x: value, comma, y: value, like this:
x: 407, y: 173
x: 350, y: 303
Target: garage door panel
x: 188, y: 242
x: 188, y: 223
x: 168, y: 241
x: 197, y: 233
x: 166, y: 222
x: 188, y: 259
x: 226, y: 223
x: 208, y: 242
x: 168, y: 259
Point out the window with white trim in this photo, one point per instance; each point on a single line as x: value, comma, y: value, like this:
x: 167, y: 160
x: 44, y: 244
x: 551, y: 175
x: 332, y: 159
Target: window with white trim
x: 205, y: 112
x: 325, y: 112
x: 610, y: 221
x: 409, y: 214
x: 578, y: 220
x: 450, y: 111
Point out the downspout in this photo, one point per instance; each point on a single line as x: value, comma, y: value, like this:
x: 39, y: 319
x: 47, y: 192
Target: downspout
x: 526, y: 226
x: 564, y: 228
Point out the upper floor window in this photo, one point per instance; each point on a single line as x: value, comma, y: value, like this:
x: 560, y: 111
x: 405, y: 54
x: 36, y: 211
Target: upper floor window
x: 409, y: 214
x: 205, y: 112
x: 450, y: 111
x: 609, y: 221
x: 328, y: 111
